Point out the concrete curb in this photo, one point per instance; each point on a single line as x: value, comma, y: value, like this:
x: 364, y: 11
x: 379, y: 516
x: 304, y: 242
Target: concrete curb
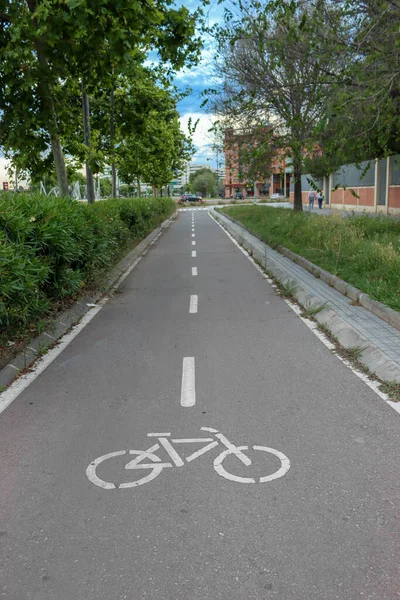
x: 74, y: 314
x: 371, y: 356
x: 379, y: 309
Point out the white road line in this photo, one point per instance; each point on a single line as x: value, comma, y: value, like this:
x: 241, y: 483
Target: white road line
x: 193, y: 234
x: 314, y: 328
x: 194, y: 253
x: 194, y: 300
x: 193, y: 243
x: 172, y: 452
x: 194, y: 271
x: 188, y: 390
x: 20, y: 384
x: 201, y: 451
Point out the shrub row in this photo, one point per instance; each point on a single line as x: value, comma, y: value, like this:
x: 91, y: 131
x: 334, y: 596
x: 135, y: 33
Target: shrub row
x: 363, y: 250
x: 51, y: 248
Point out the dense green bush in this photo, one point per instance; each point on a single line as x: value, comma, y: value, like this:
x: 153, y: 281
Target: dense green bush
x: 363, y: 250
x: 50, y: 247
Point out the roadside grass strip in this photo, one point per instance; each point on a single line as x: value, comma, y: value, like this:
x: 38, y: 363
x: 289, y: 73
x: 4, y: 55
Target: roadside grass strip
x: 362, y: 250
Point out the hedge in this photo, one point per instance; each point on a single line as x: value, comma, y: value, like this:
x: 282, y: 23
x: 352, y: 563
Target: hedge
x: 51, y: 248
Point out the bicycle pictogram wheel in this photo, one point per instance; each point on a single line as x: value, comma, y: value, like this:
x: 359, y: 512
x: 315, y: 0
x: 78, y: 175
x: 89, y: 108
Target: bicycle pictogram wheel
x: 285, y: 465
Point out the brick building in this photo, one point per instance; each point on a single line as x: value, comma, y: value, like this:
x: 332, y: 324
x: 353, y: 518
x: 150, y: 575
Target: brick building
x: 277, y: 170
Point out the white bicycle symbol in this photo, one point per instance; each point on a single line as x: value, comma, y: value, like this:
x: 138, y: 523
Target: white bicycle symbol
x: 156, y: 466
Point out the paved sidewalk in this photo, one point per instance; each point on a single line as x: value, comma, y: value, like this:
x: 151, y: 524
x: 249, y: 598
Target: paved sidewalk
x: 373, y: 329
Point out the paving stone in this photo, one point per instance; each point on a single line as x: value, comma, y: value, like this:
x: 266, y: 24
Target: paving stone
x: 7, y: 375
x: 24, y: 359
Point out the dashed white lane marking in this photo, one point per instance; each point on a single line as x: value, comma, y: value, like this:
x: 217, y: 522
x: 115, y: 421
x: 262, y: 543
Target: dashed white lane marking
x: 193, y: 234
x: 188, y: 389
x: 193, y: 243
x: 16, y: 388
x: 314, y: 328
x: 194, y: 271
x: 194, y: 253
x: 194, y: 300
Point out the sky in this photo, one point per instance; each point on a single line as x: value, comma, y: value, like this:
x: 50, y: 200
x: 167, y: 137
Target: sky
x: 197, y: 79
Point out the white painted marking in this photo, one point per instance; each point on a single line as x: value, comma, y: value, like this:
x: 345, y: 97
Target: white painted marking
x: 188, y: 390
x: 193, y: 235
x: 193, y: 253
x: 193, y: 243
x: 314, y: 328
x: 191, y: 440
x: 91, y: 470
x: 234, y: 449
x: 20, y: 384
x: 285, y: 462
x: 209, y: 429
x: 158, y: 435
x: 172, y: 452
x: 194, y: 271
x: 193, y: 304
x: 154, y: 464
x: 285, y: 465
x: 201, y: 451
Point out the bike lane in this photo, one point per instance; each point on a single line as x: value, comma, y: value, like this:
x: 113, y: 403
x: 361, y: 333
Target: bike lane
x: 326, y: 529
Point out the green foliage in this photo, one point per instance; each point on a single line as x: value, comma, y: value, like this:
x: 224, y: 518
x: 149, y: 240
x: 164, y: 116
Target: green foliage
x: 362, y: 250
x: 205, y: 182
x: 51, y: 50
x: 51, y: 248
x: 274, y: 63
x: 152, y: 145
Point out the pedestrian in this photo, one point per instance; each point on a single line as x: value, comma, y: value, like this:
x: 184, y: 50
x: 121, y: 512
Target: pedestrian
x: 320, y: 199
x: 311, y: 199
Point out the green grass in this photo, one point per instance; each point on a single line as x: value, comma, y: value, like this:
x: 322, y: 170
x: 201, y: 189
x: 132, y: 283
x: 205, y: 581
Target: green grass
x: 362, y: 250
x: 392, y: 389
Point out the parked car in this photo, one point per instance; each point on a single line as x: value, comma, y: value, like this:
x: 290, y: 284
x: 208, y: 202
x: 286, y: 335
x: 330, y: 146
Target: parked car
x: 191, y: 198
x: 277, y: 197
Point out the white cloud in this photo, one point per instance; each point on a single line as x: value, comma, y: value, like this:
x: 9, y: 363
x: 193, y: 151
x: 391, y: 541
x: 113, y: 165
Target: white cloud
x: 202, y: 138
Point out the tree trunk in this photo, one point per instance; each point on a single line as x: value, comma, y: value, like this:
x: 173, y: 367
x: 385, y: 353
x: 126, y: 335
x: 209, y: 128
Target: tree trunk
x: 112, y: 133
x: 154, y: 191
x: 113, y: 180
x: 46, y: 97
x: 298, y: 202
x: 87, y: 141
x: 59, y: 162
x: 138, y: 187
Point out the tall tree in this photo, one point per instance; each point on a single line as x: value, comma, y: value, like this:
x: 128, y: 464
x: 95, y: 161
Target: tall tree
x: 157, y: 153
x: 275, y: 68
x: 45, y: 43
x: 363, y: 108
x: 205, y: 182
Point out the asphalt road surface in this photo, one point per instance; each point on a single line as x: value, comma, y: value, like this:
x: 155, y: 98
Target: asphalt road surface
x: 172, y: 353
